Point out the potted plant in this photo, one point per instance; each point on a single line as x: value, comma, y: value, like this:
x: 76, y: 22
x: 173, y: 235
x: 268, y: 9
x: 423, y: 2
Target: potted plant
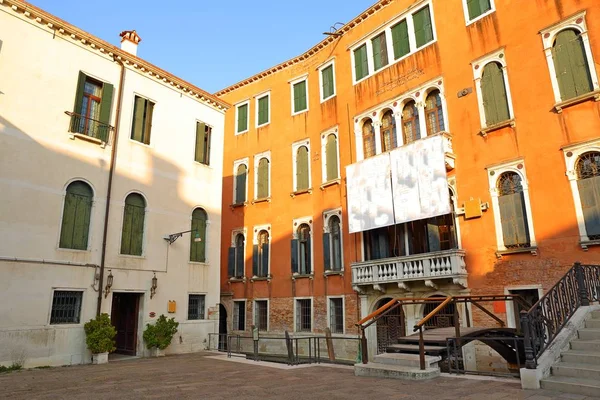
x: 100, y: 338
x: 158, y: 336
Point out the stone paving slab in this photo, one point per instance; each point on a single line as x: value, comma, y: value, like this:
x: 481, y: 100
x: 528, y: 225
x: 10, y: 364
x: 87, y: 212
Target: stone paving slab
x: 202, y: 376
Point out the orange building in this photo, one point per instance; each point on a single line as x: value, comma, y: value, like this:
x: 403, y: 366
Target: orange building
x: 509, y: 91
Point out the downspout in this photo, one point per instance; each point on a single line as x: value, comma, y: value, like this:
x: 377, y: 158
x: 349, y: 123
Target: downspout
x: 111, y: 171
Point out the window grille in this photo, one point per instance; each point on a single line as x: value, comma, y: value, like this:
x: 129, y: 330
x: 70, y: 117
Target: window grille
x: 196, y: 306
x: 261, y: 314
x: 303, y: 315
x: 66, y: 307
x: 336, y: 315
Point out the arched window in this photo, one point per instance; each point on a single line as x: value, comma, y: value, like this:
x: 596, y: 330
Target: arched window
x: 434, y: 114
x: 588, y: 184
x: 571, y: 64
x: 240, y: 183
x: 513, y: 214
x: 132, y: 237
x: 388, y: 131
x: 262, y: 184
x: 331, y: 158
x: 368, y: 135
x: 410, y: 122
x: 302, y: 170
x: 336, y: 243
x: 198, y: 236
x: 260, y: 255
x: 301, y: 251
x: 239, y: 255
x: 493, y: 92
x: 77, y: 210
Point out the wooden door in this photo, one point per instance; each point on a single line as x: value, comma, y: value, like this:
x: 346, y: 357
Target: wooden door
x: 125, y: 309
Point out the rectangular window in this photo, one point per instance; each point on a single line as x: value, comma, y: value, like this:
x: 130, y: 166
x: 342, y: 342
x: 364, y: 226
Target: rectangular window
x: 400, y: 40
x: 91, y: 113
x: 261, y: 314
x: 203, y: 133
x: 423, y: 26
x: 242, y: 118
x: 380, y: 56
x: 327, y: 82
x: 300, y: 96
x: 263, y: 110
x: 361, y: 63
x: 336, y: 315
x: 196, y: 306
x: 142, y: 120
x: 239, y: 315
x: 66, y: 307
x: 475, y: 8
x: 303, y: 315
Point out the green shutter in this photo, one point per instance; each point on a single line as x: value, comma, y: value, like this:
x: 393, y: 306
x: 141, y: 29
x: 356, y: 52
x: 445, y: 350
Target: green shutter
x: 76, y: 216
x: 493, y: 90
x: 331, y: 158
x: 294, y: 258
x: 240, y: 184
x: 133, y: 225
x: 105, y: 106
x: 231, y: 262
x: 137, y: 127
x: 589, y: 192
x: 198, y: 249
x: 239, y: 258
x: 255, y: 256
x: 148, y: 121
x: 326, y: 252
x: 380, y: 56
x: 263, y: 110
x: 423, y: 26
x: 263, y: 179
x: 300, y: 96
x: 79, y: 93
x: 570, y: 64
x: 302, y: 180
x: 513, y: 219
x: 473, y: 6
x: 361, y: 64
x: 308, y: 254
x: 400, y: 39
x: 328, y: 83
x: 242, y: 122
x: 201, y: 142
x: 265, y: 260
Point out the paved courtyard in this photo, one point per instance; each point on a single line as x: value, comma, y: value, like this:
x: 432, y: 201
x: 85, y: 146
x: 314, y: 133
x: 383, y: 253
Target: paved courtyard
x: 204, y: 376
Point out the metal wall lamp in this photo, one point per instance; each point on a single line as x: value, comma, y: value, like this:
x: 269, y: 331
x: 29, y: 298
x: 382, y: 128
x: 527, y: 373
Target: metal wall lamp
x: 171, y: 238
x: 154, y: 286
x: 109, y: 283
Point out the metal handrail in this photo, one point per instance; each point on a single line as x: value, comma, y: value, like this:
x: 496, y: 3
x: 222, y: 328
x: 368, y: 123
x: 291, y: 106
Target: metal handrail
x: 72, y: 114
x: 433, y: 312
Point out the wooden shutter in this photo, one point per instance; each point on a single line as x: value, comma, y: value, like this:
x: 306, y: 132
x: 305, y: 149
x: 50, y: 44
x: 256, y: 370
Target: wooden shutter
x: 148, y: 122
x: 493, y: 90
x: 326, y: 252
x: 263, y: 110
x: 513, y: 218
x: 76, y: 216
x: 133, y: 225
x: 361, y: 65
x: 126, y: 230
x: 231, y: 262
x: 198, y: 249
x: 263, y: 179
x: 200, y: 142
x: 294, y: 257
x: 137, y: 230
x: 240, y: 184
x: 78, y: 104
x: 239, y: 258
x: 137, y: 127
x: 105, y: 106
x: 328, y: 84
x: 302, y: 180
x: 570, y: 64
x: 380, y: 58
x: 589, y: 192
x: 242, y: 123
x: 265, y: 260
x: 331, y: 158
x: 400, y: 40
x: 423, y: 26
x: 474, y: 9
x: 308, y: 253
x: 255, y: 257
x: 300, y: 96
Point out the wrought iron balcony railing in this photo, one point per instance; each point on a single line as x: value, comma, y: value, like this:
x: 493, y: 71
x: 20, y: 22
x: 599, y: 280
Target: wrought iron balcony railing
x: 90, y: 127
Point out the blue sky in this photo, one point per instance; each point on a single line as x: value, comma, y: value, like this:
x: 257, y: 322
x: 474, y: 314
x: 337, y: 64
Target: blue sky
x: 211, y: 44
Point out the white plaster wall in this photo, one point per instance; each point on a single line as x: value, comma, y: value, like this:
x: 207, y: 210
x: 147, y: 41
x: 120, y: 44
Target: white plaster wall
x: 38, y: 159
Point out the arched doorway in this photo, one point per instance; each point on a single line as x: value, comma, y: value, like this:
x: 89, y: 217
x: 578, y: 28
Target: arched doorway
x: 390, y: 327
x: 222, y: 328
x: 444, y: 318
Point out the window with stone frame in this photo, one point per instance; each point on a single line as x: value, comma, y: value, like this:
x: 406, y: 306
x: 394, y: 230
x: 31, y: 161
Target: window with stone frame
x: 302, y: 169
x: 411, y: 129
x: 513, y: 214
x: 368, y: 135
x: 332, y: 170
x: 262, y: 179
x: 301, y: 251
x: 571, y: 64
x: 198, y: 235
x: 66, y: 307
x: 588, y: 185
x: 239, y: 315
x: 388, y: 131
x: 303, y: 315
x: 196, y: 306
x: 336, y: 315
x: 77, y: 210
x: 236, y: 256
x: 434, y: 113
x: 132, y: 234
x: 332, y: 244
x: 261, y: 315
x: 240, y: 184
x: 260, y: 255
x: 494, y: 93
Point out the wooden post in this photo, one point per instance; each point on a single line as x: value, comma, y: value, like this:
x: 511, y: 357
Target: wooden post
x: 456, y: 323
x: 290, y: 349
x: 363, y: 346
x: 421, y: 349
x: 329, y: 340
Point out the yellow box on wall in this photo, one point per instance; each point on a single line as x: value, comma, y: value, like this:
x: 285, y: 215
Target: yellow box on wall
x: 172, y: 306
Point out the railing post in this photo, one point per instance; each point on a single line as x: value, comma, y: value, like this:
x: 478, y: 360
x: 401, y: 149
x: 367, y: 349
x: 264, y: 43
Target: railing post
x: 363, y: 346
x: 528, y: 342
x: 456, y: 322
x: 581, y: 285
x: 421, y: 349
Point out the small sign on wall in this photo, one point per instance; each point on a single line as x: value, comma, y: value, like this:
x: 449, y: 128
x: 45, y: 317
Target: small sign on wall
x: 152, y: 314
x: 172, y: 307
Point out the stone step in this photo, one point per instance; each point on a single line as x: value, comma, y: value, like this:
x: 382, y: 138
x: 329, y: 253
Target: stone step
x: 395, y: 371
x: 414, y: 348
x: 593, y: 323
x: 589, y: 334
x: 596, y: 314
x: 567, y: 384
x: 583, y: 357
x: 407, y: 360
x: 577, y: 370
x: 587, y: 345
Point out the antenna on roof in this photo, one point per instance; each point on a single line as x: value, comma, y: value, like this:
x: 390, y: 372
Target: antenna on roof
x: 333, y: 30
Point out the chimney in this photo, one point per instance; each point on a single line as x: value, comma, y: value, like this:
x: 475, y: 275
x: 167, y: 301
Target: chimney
x: 129, y: 41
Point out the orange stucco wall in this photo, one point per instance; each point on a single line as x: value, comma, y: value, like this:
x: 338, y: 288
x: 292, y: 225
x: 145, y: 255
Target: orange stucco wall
x: 537, y: 137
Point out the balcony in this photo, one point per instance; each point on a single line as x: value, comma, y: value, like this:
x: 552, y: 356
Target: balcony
x: 426, y: 267
x: 88, y: 128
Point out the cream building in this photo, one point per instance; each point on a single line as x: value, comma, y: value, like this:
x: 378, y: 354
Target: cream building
x: 75, y: 112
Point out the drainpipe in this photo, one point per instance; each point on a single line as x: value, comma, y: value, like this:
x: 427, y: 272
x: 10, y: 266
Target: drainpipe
x: 113, y: 157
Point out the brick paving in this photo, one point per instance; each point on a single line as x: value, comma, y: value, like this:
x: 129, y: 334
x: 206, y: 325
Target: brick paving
x: 201, y: 376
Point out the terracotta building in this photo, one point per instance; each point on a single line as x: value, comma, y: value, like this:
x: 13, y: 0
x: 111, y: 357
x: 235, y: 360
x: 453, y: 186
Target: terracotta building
x: 504, y: 93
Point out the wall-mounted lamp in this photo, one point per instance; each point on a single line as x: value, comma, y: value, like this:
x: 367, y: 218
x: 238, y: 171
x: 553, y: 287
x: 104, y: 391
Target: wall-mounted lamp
x: 174, y: 236
x: 109, y: 283
x: 154, y: 286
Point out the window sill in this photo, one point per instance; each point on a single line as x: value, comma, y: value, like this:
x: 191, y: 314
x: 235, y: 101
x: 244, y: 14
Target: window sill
x: 504, y: 124
x: 201, y: 164
x: 330, y: 273
x: 200, y: 263
x: 263, y: 125
x: 74, y: 135
x: 261, y: 278
x: 147, y: 145
x: 330, y: 183
x: 479, y: 17
x: 237, y: 279
x: 299, y: 112
x: 132, y: 256
x: 236, y: 205
x: 241, y: 133
x: 558, y: 107
x: 296, y: 275
x: 325, y: 100
x: 585, y: 244
x: 299, y: 192
x: 262, y: 200
x: 72, y: 250
x: 532, y: 250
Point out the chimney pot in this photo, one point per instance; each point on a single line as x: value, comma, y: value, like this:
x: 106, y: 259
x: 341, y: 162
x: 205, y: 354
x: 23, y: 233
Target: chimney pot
x: 130, y: 41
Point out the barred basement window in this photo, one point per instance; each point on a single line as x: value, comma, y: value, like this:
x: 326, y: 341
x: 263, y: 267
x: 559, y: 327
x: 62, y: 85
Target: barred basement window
x: 304, y: 315
x: 336, y: 315
x: 513, y: 214
x: 66, y: 307
x: 261, y: 314
x: 588, y: 183
x: 196, y: 306
x: 239, y: 315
